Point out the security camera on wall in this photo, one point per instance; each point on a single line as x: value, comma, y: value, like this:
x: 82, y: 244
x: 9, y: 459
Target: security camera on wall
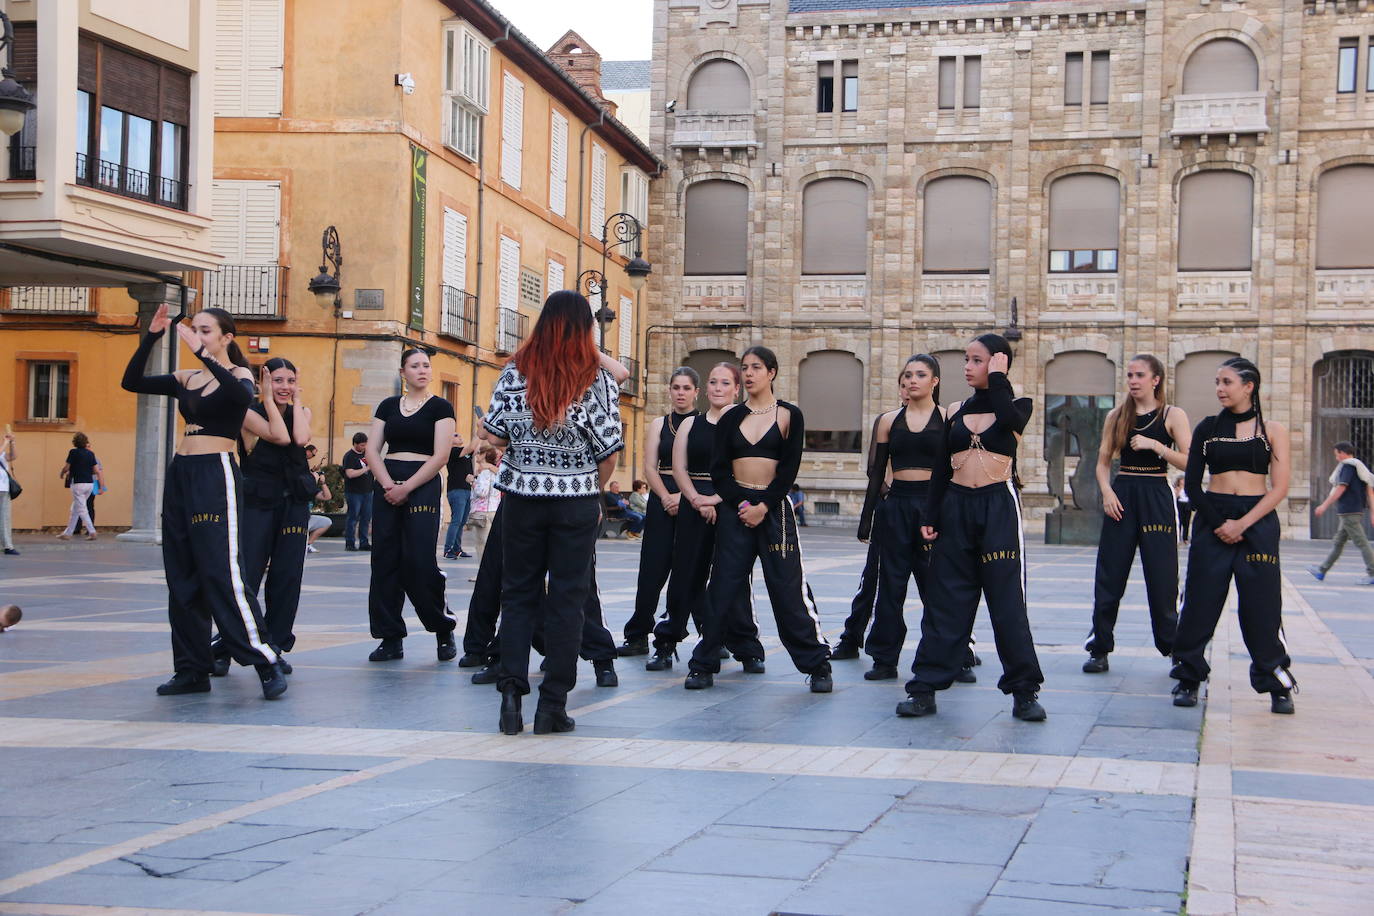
x: 406, y: 82
x: 671, y: 106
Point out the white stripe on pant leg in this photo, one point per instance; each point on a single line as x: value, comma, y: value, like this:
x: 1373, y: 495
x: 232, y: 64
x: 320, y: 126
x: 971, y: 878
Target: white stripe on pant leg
x: 808, y: 601
x: 235, y: 573
x: 1021, y: 542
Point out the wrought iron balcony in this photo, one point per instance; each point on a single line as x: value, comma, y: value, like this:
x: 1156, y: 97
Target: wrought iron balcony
x: 245, y: 290
x: 22, y: 159
x: 46, y: 300
x: 511, y: 329
x: 459, y: 316
x: 126, y: 182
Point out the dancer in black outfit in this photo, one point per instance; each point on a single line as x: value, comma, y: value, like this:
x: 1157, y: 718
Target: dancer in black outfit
x: 908, y: 445
x: 1149, y: 434
x: 853, y: 636
x: 660, y: 523
x: 417, y: 428
x: 696, y: 537
x: 974, y: 516
x: 1236, y: 536
x: 754, y: 463
x: 277, y: 489
x: 558, y: 413
x: 201, y: 505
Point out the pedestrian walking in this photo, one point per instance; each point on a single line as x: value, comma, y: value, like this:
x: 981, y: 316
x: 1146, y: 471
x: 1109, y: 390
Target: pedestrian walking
x: 558, y: 411
x: 9, y: 488
x: 1352, y: 493
x: 416, y: 427
x: 202, y: 504
x: 1185, y: 508
x: 660, y: 521
x: 754, y: 463
x: 358, y: 482
x: 458, y: 489
x: 1236, y: 538
x: 81, y: 472
x: 486, y: 498
x: 973, y: 514
x: 798, y: 497
x: 1148, y: 435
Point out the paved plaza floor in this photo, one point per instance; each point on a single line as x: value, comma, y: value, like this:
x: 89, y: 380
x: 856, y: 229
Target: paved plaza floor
x: 385, y: 788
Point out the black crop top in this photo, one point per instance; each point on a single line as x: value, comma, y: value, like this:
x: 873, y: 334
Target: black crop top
x: 217, y: 413
x: 701, y: 438
x: 1217, y: 450
x: 1010, y: 416
x: 277, y: 463
x: 730, y: 444
x: 414, y: 433
x: 906, y: 451
x: 1152, y: 426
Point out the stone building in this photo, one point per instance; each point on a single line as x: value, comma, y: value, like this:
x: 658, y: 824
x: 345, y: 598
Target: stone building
x: 853, y: 181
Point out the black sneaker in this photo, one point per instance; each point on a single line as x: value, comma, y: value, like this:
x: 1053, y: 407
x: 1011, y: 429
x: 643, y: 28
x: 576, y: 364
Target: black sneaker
x: 633, y: 647
x: 662, y: 659
x: 722, y: 653
x: 966, y: 676
x: 917, y: 705
x: 1027, y: 708
x: 1185, y: 693
x: 547, y: 721
x: 184, y: 682
x: 366, y: 547
x: 350, y: 547
x: 390, y: 649
x: 1096, y: 664
x: 450, y: 555
x: 605, y: 676
x: 844, y: 649
x: 881, y: 672
x: 447, y: 649
x: 273, y: 680
x: 487, y: 675
x: 821, y: 681
x: 472, y: 660
x: 285, y: 665
x: 699, y: 680
x: 219, y: 667
x: 753, y: 666
x: 1281, y: 702
x: 11, y: 552
x: 463, y: 554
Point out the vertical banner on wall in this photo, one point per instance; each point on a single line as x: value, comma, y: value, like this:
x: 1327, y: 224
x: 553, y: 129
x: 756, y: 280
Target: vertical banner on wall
x: 418, y: 160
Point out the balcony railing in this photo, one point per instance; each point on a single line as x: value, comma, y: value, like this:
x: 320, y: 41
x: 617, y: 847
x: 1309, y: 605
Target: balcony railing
x: 1221, y: 113
x: 1085, y: 290
x: 126, y: 182
x: 832, y: 292
x: 46, y: 300
x: 511, y: 330
x: 22, y: 162
x: 459, y: 317
x: 715, y: 130
x: 725, y: 293
x: 1214, y: 289
x: 631, y: 385
x: 244, y: 290
x: 956, y: 292
x: 1338, y: 290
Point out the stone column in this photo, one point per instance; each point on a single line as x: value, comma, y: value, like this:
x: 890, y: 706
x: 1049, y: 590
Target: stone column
x: 154, y: 412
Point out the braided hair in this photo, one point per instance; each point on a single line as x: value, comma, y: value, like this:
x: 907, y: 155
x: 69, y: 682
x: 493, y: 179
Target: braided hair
x: 1249, y: 372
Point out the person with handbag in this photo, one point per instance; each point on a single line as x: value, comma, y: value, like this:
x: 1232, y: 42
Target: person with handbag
x: 9, y: 491
x: 81, y: 472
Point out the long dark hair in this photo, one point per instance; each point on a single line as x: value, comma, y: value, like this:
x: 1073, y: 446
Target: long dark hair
x: 1249, y: 372
x: 278, y: 362
x: 688, y: 373
x: 1121, y: 421
x: 559, y: 360
x: 408, y: 352
x: 995, y: 343
x: 766, y: 356
x: 227, y: 326
x: 933, y: 365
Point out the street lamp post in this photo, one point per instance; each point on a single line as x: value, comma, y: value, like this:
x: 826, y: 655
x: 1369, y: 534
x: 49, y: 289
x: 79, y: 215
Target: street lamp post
x: 325, y: 286
x: 15, y: 101
x: 626, y: 231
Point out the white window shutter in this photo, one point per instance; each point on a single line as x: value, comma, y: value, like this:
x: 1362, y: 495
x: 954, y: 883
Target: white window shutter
x: 510, y: 274
x: 598, y: 216
x: 229, y: 66
x: 512, y: 130
x: 455, y: 249
x: 557, y: 273
x: 262, y: 57
x: 226, y: 209
x: 261, y: 222
x: 558, y: 164
x: 627, y: 326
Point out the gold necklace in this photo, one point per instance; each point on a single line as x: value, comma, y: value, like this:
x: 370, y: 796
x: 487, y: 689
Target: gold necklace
x: 407, y: 410
x: 762, y: 410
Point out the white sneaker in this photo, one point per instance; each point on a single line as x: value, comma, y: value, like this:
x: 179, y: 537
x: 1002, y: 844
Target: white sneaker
x: 311, y: 548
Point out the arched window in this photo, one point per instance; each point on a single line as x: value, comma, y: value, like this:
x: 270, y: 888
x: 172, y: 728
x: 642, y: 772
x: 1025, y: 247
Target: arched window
x: 718, y: 85
x: 1221, y: 65
x: 716, y: 229
x: 957, y: 230
x: 1215, y: 214
x: 953, y: 388
x: 1194, y: 385
x: 835, y: 227
x: 703, y: 361
x: 831, y: 398
x: 1345, y: 217
x: 1085, y: 213
x: 1080, y: 372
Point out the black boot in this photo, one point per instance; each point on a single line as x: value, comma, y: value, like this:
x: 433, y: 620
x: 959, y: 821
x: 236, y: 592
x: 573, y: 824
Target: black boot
x: 699, y: 680
x: 820, y: 679
x: 1096, y: 664
x: 662, y: 659
x: 1281, y: 702
x: 1185, y: 693
x: 917, y: 705
x: 273, y: 680
x: 1027, y: 708
x: 844, y: 649
x: 184, y: 682
x: 512, y: 722
x: 633, y: 647
x: 753, y: 666
x: 472, y: 660
x: 548, y: 720
x: 221, y: 666
x: 389, y: 650
x: 448, y: 649
x: 285, y: 665
x: 487, y: 675
x: 881, y: 672
x: 966, y: 676
x: 605, y: 677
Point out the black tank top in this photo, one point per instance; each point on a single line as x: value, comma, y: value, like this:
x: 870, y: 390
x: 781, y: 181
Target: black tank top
x: 915, y: 451
x: 271, y: 462
x: 769, y: 446
x: 666, y: 436
x: 701, y: 439
x: 1223, y: 452
x: 1151, y: 426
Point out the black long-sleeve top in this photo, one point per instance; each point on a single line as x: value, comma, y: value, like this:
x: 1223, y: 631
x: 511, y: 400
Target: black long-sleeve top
x: 878, y: 455
x: 1220, y: 429
x: 1010, y: 417
x: 722, y: 457
x: 219, y: 413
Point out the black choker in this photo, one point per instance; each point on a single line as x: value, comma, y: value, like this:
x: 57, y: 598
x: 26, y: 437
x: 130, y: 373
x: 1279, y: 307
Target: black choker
x: 1242, y: 417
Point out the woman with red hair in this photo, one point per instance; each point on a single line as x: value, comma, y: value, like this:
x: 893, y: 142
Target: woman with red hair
x: 557, y: 413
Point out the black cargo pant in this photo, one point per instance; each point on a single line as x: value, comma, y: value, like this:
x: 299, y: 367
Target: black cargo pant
x: 980, y: 550
x: 274, y: 544
x: 774, y: 545
x: 1148, y: 521
x: 655, y: 565
x: 553, y: 539
x: 1254, y: 564
x: 902, y: 554
x: 404, y: 540
x: 201, y: 531
x: 696, y: 545
x: 861, y: 608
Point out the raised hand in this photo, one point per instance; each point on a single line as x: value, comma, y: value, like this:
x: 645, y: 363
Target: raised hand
x: 189, y: 337
x: 265, y: 384
x: 1000, y: 362
x: 161, y: 319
